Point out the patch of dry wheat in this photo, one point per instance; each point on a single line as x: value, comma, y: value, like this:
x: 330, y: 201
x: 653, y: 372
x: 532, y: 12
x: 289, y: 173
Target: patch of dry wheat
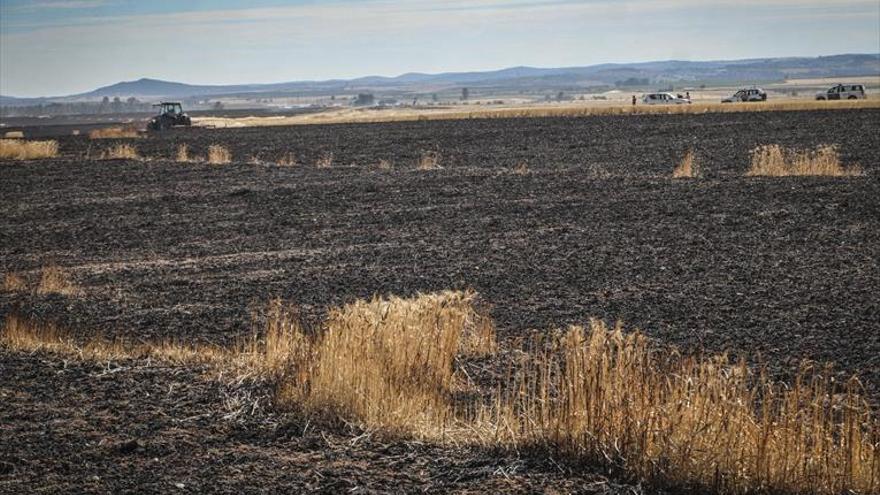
x: 521, y: 168
x: 13, y: 282
x: 430, y: 160
x: 54, y: 280
x: 121, y: 152
x: 182, y: 155
x: 687, y: 168
x: 324, y: 161
x: 218, y: 155
x: 608, y: 397
x: 775, y: 161
x: 287, y: 160
x: 18, y: 149
x: 114, y: 133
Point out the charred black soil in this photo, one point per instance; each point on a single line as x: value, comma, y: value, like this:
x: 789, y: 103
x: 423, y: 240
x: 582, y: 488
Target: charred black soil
x: 781, y: 268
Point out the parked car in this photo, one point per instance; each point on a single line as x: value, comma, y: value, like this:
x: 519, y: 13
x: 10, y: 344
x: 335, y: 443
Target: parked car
x: 664, y: 99
x: 843, y: 92
x: 746, y: 94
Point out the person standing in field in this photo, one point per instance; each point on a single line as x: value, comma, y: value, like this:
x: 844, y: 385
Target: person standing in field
x: 634, y: 100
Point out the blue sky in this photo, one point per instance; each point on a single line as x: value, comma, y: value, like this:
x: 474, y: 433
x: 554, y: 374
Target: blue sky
x: 54, y: 47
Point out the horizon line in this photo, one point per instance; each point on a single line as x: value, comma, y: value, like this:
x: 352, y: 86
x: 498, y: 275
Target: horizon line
x: 399, y: 75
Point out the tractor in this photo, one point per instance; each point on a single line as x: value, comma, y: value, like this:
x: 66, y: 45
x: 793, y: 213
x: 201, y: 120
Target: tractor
x: 170, y: 115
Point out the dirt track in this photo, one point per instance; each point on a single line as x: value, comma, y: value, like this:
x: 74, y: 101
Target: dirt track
x: 782, y: 267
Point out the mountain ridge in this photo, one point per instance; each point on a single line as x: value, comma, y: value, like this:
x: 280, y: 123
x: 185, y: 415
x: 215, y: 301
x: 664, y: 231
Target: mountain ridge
x: 656, y: 72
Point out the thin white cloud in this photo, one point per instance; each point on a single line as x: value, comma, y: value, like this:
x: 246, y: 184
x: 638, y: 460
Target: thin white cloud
x: 390, y: 18
x: 59, y: 5
x: 428, y: 10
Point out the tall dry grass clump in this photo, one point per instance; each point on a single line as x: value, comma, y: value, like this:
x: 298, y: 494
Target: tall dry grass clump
x: 774, y: 161
x: 521, y: 168
x: 121, y: 152
x: 687, y: 168
x: 13, y: 282
x: 387, y: 364
x: 54, y: 280
x: 430, y: 160
x: 114, y: 133
x: 182, y: 155
x: 26, y: 335
x: 324, y: 161
x: 608, y: 398
x: 29, y: 335
x: 287, y: 160
x: 283, y: 351
x: 18, y: 149
x: 218, y: 155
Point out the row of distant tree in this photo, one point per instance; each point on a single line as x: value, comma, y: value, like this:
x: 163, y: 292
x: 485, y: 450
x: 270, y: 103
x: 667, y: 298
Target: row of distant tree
x: 133, y: 105
x: 105, y: 106
x: 369, y: 99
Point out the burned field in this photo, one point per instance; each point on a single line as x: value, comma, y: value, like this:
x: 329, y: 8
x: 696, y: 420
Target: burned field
x: 551, y: 221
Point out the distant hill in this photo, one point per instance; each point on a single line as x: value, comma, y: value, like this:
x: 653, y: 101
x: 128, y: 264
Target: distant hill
x: 153, y: 87
x: 644, y: 73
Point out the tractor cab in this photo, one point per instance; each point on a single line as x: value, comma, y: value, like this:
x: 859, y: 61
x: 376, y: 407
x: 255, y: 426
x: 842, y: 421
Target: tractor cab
x: 170, y: 115
x: 173, y: 108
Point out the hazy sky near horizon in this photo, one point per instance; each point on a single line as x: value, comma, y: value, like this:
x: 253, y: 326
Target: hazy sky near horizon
x: 57, y: 47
